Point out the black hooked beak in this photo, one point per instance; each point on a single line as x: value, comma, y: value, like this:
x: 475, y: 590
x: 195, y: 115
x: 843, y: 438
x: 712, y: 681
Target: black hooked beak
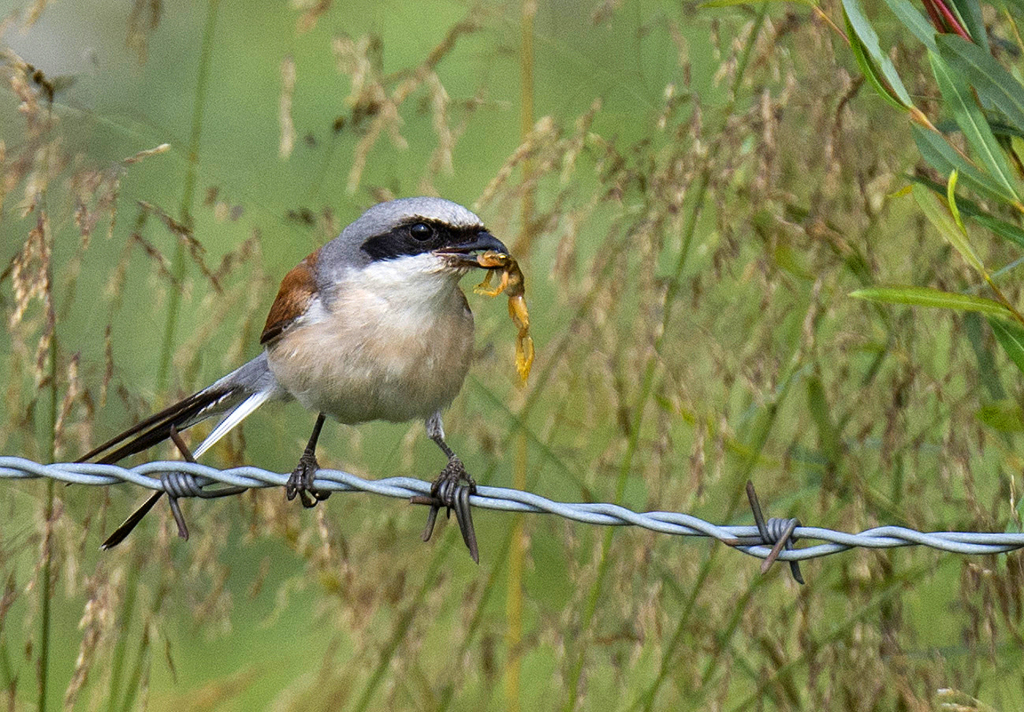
x: 482, y: 241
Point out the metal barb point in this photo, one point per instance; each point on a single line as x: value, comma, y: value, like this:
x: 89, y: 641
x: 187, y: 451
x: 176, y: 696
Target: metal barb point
x: 172, y: 496
x: 181, y: 484
x: 780, y: 540
x: 783, y: 542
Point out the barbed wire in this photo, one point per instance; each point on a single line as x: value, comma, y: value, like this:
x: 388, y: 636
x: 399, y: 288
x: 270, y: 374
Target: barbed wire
x: 757, y: 541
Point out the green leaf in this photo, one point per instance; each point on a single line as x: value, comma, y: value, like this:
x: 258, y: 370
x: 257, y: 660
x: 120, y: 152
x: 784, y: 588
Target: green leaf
x: 1016, y: 5
x: 940, y: 155
x: 969, y: 12
x: 973, y: 124
x: 1010, y: 336
x: 928, y: 297
x: 1005, y: 230
x: 1004, y: 416
x: 1001, y: 129
x: 914, y: 21
x: 951, y: 199
x: 876, y: 65
x: 870, y: 71
x: 996, y: 87
x: 939, y: 215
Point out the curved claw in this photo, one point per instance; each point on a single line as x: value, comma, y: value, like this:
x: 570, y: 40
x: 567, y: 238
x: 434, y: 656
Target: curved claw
x: 431, y: 519
x: 452, y: 490
x: 300, y: 482
x: 464, y: 516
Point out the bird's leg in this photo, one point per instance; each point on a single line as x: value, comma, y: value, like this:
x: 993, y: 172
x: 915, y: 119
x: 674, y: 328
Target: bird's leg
x: 451, y: 490
x: 454, y: 472
x: 301, y: 480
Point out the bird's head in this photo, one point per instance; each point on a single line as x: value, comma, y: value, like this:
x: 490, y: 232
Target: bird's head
x: 413, y: 236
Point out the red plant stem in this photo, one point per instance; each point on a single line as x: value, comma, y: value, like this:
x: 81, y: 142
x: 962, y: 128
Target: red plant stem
x: 934, y: 15
x: 951, y: 20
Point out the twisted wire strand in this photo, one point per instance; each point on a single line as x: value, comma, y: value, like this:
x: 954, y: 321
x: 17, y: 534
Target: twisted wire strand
x: 164, y: 474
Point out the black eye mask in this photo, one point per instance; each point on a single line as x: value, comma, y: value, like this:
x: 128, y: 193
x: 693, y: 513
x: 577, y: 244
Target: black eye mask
x: 416, y: 238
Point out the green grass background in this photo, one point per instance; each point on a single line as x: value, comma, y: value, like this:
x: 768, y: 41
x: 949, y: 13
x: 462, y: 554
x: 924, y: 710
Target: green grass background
x: 702, y: 190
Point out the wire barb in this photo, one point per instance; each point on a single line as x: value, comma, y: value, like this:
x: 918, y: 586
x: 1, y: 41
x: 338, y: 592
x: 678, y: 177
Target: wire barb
x: 181, y: 484
x: 747, y: 539
x: 778, y: 532
x: 178, y: 484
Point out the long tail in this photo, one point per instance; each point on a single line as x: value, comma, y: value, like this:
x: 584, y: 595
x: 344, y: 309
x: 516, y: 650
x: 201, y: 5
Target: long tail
x: 234, y: 397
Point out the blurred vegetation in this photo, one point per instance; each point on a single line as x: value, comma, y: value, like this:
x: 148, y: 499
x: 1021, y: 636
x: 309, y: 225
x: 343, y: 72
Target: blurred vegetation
x: 693, y: 193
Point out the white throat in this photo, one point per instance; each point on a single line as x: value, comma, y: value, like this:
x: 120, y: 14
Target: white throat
x: 414, y: 285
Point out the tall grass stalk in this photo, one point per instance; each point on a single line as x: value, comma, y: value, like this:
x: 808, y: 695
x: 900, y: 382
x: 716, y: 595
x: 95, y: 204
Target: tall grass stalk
x: 45, y: 590
x: 188, y: 197
x: 524, y: 243
x: 647, y: 385
x: 413, y: 608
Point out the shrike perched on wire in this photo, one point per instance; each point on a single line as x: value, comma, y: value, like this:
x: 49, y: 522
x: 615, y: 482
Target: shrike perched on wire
x: 371, y: 326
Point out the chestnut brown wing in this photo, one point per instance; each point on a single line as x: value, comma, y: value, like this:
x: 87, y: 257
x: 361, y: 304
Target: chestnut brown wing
x: 297, y: 290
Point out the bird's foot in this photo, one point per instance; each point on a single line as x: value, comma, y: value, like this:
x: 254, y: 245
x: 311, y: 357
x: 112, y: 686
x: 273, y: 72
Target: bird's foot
x: 451, y: 482
x: 300, y: 482
x: 451, y: 490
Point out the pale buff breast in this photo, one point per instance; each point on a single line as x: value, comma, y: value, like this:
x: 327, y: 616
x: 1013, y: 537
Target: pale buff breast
x: 369, y: 358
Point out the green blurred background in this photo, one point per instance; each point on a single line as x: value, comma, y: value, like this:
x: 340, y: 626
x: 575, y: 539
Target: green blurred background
x: 692, y: 195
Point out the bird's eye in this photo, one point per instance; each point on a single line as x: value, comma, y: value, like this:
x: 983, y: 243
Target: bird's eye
x: 421, y: 231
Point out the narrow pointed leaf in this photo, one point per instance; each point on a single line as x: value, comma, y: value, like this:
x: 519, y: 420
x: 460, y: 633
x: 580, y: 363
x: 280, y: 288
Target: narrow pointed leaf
x: 972, y: 123
x: 969, y: 12
x: 939, y: 216
x: 1003, y: 129
x: 1002, y: 228
x: 870, y: 71
x: 1016, y: 5
x: 914, y: 21
x: 928, y: 297
x: 996, y: 87
x: 1004, y: 416
x: 951, y: 200
x: 1005, y: 230
x: 1010, y: 336
x: 882, y: 69
x: 941, y: 156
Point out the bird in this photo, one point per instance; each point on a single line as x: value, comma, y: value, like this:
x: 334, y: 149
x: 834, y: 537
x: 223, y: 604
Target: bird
x: 373, y: 325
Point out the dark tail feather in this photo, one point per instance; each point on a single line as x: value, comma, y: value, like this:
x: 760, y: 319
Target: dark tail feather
x: 237, y: 394
x: 157, y: 428
x: 126, y: 527
x: 147, y: 433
